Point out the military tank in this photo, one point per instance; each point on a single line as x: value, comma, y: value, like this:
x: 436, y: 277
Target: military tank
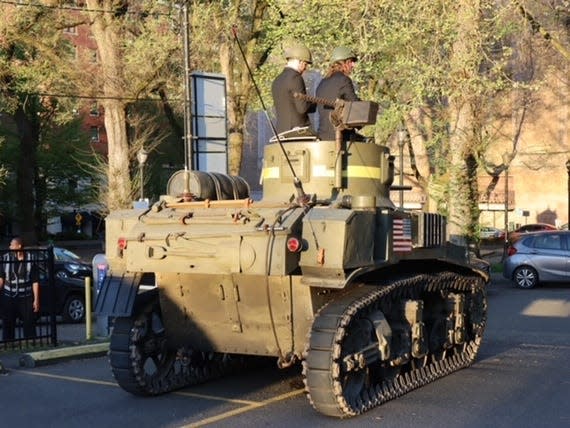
x: 323, y: 270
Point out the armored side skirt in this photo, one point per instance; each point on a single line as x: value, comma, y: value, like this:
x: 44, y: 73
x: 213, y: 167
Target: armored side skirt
x: 245, y: 314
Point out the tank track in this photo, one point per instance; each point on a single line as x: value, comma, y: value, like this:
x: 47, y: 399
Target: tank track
x: 143, y: 365
x: 337, y: 389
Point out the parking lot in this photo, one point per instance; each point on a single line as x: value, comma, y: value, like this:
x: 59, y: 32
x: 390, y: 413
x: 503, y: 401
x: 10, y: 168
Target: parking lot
x: 521, y: 379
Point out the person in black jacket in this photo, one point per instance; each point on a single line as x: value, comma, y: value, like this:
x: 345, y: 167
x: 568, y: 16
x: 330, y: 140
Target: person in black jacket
x: 292, y: 112
x: 19, y: 287
x: 336, y: 85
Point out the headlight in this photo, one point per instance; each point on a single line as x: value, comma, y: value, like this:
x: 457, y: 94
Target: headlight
x: 73, y: 267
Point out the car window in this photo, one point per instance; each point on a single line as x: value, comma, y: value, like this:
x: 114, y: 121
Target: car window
x: 64, y: 255
x: 548, y: 242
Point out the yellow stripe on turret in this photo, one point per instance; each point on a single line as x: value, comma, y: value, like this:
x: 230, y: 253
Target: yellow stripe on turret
x: 270, y: 172
x: 353, y: 171
x: 322, y: 171
x: 361, y: 171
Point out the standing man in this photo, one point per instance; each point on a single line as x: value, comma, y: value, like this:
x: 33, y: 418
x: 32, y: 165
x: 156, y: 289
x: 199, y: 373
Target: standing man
x: 20, y: 289
x: 292, y: 112
x: 336, y: 85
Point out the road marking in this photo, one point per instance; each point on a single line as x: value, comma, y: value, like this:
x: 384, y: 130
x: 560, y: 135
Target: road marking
x: 248, y: 403
x: 559, y: 308
x: 214, y: 397
x: 71, y: 378
x: 244, y: 409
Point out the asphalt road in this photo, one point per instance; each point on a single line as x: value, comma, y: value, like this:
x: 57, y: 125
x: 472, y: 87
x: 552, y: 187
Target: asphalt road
x: 521, y: 379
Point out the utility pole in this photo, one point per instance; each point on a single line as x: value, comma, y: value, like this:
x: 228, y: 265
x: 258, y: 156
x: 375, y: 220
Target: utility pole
x: 506, y: 160
x: 188, y: 140
x: 568, y: 190
x: 402, y: 136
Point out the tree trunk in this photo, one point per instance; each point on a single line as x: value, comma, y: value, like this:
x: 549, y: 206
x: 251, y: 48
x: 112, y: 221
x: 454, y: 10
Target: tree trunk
x: 118, y: 175
x: 239, y: 83
x: 28, y: 132
x: 237, y: 105
x: 464, y: 67
x: 106, y: 31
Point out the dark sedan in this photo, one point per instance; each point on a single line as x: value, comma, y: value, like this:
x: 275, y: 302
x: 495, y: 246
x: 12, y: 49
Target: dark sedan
x: 538, y: 257
x: 69, y: 300
x: 67, y: 264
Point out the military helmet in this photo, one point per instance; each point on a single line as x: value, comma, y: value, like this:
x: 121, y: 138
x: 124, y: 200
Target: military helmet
x: 299, y: 52
x: 343, y: 53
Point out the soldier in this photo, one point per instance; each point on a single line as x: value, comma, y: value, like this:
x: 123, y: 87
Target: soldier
x: 336, y: 85
x: 292, y: 112
x: 20, y: 289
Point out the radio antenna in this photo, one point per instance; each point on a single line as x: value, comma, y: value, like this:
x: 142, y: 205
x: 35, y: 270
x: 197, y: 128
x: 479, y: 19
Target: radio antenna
x: 302, y: 197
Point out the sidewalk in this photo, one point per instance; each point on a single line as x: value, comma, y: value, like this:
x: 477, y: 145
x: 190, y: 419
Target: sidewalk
x: 72, y: 343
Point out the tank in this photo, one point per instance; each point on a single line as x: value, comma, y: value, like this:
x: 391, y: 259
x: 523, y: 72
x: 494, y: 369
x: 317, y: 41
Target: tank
x: 324, y: 272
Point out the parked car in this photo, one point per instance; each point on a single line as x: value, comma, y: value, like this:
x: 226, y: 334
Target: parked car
x: 533, y: 227
x: 67, y: 264
x: 491, y: 233
x: 69, y: 296
x: 538, y: 257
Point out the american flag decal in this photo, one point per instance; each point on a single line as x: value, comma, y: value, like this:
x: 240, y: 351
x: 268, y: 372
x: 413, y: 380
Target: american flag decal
x: 402, y: 235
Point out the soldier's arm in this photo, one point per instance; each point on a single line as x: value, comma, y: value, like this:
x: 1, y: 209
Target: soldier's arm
x: 347, y: 91
x: 301, y: 106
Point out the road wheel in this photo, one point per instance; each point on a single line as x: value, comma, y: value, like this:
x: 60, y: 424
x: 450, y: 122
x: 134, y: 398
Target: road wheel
x: 525, y: 277
x: 74, y: 309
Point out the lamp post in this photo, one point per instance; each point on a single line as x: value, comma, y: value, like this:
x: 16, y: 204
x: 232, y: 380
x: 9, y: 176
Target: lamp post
x: 142, y: 156
x: 402, y: 134
x: 568, y: 188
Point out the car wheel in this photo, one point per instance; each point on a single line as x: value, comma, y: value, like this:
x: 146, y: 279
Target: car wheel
x: 74, y: 309
x: 525, y: 277
x: 61, y: 274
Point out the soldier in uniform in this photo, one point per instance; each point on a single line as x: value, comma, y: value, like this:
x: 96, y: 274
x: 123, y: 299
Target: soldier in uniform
x: 20, y: 291
x: 336, y: 85
x: 292, y: 112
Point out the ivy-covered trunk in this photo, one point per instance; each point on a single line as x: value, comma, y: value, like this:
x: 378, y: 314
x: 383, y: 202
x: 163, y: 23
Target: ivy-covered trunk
x: 463, y: 198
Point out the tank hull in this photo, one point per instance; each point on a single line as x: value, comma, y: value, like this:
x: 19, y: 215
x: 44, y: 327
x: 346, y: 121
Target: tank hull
x: 373, y: 300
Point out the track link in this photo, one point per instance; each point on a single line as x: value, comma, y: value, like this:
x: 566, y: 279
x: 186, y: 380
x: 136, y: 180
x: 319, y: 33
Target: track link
x: 343, y: 328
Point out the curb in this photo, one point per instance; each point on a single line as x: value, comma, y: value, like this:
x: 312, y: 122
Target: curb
x: 33, y: 359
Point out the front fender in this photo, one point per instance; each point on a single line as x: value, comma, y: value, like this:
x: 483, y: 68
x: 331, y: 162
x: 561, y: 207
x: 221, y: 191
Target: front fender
x: 118, y: 294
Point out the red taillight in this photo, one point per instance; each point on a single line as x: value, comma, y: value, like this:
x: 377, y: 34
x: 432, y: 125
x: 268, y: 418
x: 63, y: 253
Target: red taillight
x: 294, y: 245
x: 511, y: 251
x: 122, y: 243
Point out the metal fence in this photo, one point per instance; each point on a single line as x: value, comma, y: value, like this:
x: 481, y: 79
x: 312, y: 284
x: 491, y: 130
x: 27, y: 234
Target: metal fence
x: 44, y: 322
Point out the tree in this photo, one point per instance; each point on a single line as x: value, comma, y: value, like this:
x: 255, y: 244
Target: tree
x: 136, y: 51
x: 449, y: 71
x: 215, y: 48
x: 34, y: 65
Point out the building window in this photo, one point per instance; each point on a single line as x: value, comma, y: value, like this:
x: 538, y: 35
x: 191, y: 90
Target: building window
x: 94, y: 109
x: 94, y: 134
x: 70, y: 30
x: 94, y: 56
